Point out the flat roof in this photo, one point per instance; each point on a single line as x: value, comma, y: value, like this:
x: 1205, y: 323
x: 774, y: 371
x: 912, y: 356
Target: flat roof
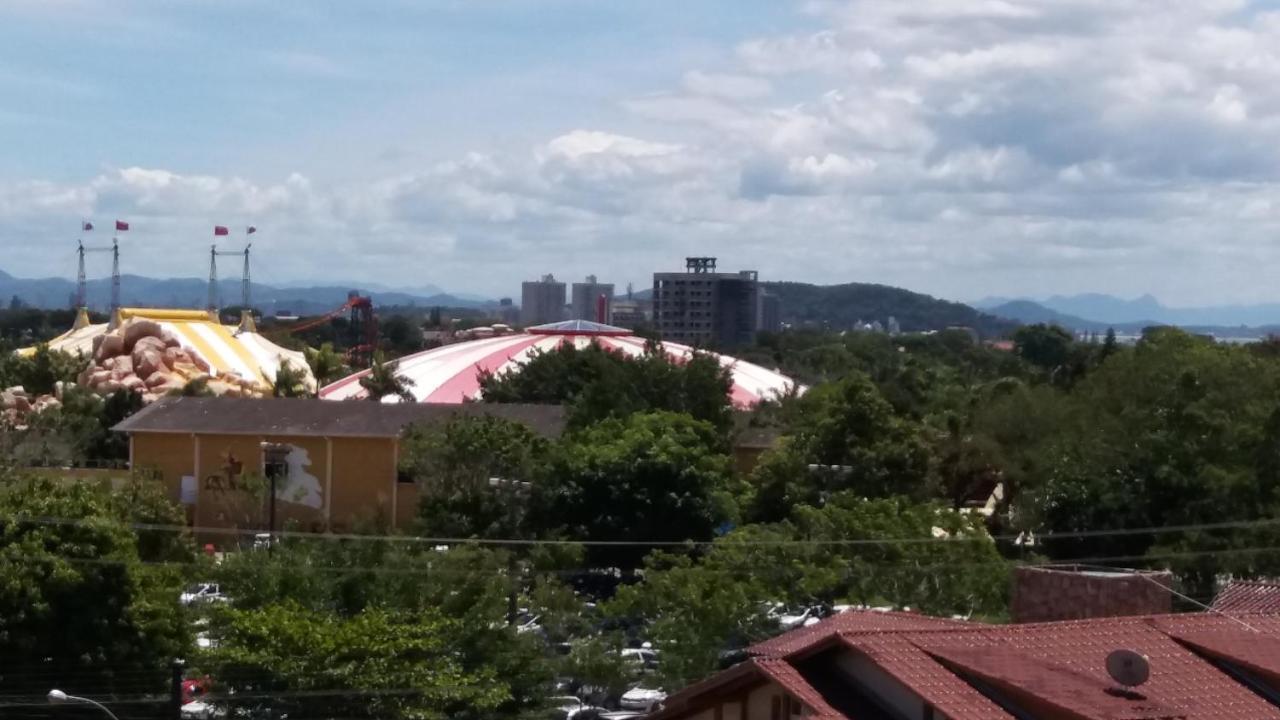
x: 321, y: 418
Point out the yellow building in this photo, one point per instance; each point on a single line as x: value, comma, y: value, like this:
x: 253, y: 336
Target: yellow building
x: 336, y: 463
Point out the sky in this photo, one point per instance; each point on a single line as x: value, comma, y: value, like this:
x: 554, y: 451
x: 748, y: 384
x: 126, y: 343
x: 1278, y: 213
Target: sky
x: 963, y: 148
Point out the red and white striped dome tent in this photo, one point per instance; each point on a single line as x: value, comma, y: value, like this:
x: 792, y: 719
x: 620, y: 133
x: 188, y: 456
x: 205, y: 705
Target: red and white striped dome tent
x: 451, y: 373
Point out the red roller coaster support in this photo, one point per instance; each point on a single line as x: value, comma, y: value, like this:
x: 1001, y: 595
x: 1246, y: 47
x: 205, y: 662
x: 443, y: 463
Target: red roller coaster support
x: 364, y: 330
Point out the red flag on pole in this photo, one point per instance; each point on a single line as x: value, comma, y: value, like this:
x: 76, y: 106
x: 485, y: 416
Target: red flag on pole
x: 86, y: 226
x: 250, y: 230
x: 220, y: 230
x: 122, y: 225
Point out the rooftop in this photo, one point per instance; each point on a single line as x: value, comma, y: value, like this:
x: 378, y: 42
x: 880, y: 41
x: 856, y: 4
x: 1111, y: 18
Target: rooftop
x: 320, y: 418
x: 1249, y: 596
x: 1204, y: 666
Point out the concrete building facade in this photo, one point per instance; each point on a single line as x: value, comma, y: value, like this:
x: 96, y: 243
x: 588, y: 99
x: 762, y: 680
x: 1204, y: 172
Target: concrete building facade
x: 587, y: 299
x: 542, y: 301
x: 707, y: 308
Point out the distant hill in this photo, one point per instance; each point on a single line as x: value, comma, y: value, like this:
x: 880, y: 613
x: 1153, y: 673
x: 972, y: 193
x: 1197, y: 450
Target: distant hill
x: 143, y: 291
x: 1147, y: 310
x: 1028, y: 312
x: 842, y: 306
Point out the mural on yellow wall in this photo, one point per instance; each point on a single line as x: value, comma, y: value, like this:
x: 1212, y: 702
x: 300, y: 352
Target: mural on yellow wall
x: 300, y: 486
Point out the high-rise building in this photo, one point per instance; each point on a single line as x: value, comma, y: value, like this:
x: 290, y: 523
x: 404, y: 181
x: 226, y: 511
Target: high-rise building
x: 770, y: 312
x: 508, y: 312
x: 703, y: 307
x: 587, y: 303
x: 541, y: 301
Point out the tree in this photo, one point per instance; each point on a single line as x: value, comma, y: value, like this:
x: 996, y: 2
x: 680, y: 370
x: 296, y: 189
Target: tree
x: 598, y: 383
x: 374, y: 664
x: 1109, y: 345
x: 326, y: 364
x: 401, y: 334
x: 39, y: 372
x: 336, y: 581
x: 383, y: 381
x: 289, y: 382
x: 78, y: 430
x: 889, y: 551
x: 846, y: 437
x: 76, y: 600
x: 195, y: 387
x: 1172, y: 432
x: 453, y: 466
x: 652, y: 476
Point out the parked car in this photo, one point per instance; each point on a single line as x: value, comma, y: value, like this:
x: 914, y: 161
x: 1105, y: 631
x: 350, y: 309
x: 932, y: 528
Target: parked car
x: 569, y: 707
x: 643, y: 656
x: 792, y: 619
x: 641, y: 698
x: 200, y: 710
x: 202, y: 593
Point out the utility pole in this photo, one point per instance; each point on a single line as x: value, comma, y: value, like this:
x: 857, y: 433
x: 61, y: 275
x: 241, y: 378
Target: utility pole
x: 176, y: 669
x: 81, y: 282
x: 516, y: 494
x: 115, y: 275
x: 244, y: 280
x: 213, y: 278
x: 274, y: 457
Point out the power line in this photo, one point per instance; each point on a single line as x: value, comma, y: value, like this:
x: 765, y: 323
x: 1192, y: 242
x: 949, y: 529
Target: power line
x: 722, y: 542
x: 580, y: 570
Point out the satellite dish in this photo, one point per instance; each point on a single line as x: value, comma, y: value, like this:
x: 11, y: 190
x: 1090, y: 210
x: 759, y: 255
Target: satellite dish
x: 1128, y: 668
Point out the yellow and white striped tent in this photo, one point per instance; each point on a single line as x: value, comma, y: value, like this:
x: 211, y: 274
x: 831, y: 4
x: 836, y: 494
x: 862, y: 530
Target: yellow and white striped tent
x: 227, y: 349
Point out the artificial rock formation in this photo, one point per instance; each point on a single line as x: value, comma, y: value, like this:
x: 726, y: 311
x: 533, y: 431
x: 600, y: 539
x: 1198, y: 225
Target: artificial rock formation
x: 140, y: 356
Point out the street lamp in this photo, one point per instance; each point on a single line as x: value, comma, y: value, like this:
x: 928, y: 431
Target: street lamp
x: 57, y: 697
x: 274, y: 457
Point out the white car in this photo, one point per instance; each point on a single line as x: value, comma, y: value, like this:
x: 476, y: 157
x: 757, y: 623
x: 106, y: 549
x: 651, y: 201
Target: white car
x: 569, y: 706
x: 642, y: 656
x: 642, y: 698
x: 198, y: 710
x: 793, y: 620
x: 202, y: 593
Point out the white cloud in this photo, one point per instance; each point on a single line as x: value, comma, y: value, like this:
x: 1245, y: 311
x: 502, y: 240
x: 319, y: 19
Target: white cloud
x: 725, y: 85
x: 963, y: 147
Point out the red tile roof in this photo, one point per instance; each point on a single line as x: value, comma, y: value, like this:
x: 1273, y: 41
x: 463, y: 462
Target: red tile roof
x: 745, y: 675
x: 1065, y: 667
x: 785, y: 675
x: 1249, y: 596
x: 1044, y: 682
x: 1051, y: 665
x: 897, y: 655
x: 802, y: 639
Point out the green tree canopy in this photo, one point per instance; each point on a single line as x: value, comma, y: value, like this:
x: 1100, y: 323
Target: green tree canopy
x: 286, y: 659
x: 652, y: 476
x: 76, y: 600
x: 326, y: 364
x: 384, y: 380
x: 845, y: 437
x: 599, y: 384
x: 453, y: 466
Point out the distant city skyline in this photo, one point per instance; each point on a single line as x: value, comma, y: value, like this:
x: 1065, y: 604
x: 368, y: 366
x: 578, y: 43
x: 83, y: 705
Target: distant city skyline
x: 959, y: 148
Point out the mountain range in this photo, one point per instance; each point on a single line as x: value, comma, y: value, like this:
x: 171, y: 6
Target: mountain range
x: 137, y: 290
x: 1096, y: 312
x: 841, y: 307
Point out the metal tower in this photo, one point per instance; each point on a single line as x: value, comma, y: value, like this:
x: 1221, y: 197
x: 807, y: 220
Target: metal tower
x: 82, y: 284
x: 115, y: 275
x: 214, y: 252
